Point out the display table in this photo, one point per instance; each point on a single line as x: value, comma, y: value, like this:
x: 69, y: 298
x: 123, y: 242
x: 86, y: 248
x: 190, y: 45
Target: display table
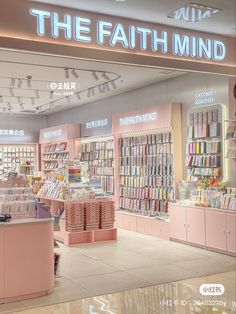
x: 83, y: 221
x: 26, y: 259
x: 210, y: 228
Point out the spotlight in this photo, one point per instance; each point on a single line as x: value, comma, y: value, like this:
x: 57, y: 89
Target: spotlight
x: 66, y: 73
x: 113, y: 84
x: 29, y: 77
x: 105, y: 76
x: 74, y: 73
x: 19, y: 83
x: 37, y: 110
x: 11, y: 92
x: 101, y: 88
x: 106, y: 87
x: 95, y: 76
x: 12, y: 83
x: 91, y: 92
x: 21, y: 106
x: 51, y: 95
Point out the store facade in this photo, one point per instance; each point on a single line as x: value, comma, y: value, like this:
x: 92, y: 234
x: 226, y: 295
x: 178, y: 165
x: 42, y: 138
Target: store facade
x: 162, y: 154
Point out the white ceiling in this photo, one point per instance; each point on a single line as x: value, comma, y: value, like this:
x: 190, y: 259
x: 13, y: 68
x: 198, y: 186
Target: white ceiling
x: 50, y: 69
x: 156, y: 11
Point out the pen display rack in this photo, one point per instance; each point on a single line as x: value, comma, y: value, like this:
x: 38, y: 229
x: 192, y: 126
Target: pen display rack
x: 99, y: 156
x: 204, y: 145
x: 146, y: 173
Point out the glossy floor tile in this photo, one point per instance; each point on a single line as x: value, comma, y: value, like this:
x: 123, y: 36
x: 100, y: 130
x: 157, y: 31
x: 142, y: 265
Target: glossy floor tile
x: 181, y: 297
x: 134, y: 261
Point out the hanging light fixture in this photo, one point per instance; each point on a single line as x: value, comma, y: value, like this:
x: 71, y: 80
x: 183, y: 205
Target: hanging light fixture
x: 91, y: 92
x: 113, y: 84
x: 12, y: 83
x: 105, y: 76
x: 66, y: 73
x: 74, y: 73
x: 19, y: 83
x: 29, y: 77
x: 95, y: 76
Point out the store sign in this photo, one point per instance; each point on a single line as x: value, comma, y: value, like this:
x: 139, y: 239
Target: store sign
x: 205, y: 97
x: 52, y: 134
x: 96, y: 124
x: 7, y: 132
x: 105, y: 32
x: 147, y: 117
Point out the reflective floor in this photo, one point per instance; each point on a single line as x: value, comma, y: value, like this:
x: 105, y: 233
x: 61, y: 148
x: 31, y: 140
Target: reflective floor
x: 181, y: 297
x: 134, y: 261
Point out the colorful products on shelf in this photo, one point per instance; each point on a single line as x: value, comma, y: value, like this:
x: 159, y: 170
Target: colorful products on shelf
x: 99, y: 157
x: 146, y: 173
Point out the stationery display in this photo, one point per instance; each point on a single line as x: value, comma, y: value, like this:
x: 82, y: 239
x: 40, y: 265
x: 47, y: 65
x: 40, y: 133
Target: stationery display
x: 231, y: 138
x: 204, y: 144
x: 13, y: 156
x: 146, y: 173
x: 18, y: 202
x: 54, y: 156
x: 99, y: 156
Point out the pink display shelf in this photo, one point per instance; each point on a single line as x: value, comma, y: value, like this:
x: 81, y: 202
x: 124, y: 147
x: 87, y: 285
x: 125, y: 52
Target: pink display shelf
x: 26, y: 259
x: 84, y: 221
x: 142, y: 224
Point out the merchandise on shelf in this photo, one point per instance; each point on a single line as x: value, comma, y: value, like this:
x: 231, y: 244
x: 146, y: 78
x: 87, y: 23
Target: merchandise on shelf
x: 146, y: 173
x: 18, y: 202
x: 54, y: 156
x: 231, y: 137
x: 17, y: 158
x: 99, y: 157
x: 204, y: 144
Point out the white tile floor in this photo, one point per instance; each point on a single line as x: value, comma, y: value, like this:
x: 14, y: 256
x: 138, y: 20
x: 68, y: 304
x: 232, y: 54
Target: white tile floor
x: 134, y: 261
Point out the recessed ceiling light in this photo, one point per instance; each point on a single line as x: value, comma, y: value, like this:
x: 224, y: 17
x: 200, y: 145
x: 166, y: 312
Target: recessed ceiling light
x: 192, y: 12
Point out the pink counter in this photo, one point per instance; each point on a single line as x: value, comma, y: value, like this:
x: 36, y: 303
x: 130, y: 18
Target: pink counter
x: 26, y: 259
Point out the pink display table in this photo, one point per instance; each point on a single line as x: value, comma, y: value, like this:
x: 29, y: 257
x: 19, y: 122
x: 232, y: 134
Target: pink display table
x: 26, y: 259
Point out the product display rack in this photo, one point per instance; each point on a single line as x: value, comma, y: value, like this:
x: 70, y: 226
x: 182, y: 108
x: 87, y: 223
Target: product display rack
x: 13, y: 158
x: 98, y: 154
x: 231, y: 138
x: 205, y: 144
x: 146, y: 173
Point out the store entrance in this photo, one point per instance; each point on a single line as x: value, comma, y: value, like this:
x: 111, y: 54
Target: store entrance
x: 135, y: 166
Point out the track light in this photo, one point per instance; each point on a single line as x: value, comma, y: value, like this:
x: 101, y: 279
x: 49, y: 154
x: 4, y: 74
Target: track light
x: 37, y: 110
x: 101, y: 88
x: 66, y: 73
x: 21, y: 106
x: 37, y: 93
x: 74, y: 73
x: 51, y: 95
x: 32, y: 101
x: 91, y: 92
x: 106, y: 87
x: 105, y: 76
x: 19, y: 83
x: 113, y: 84
x: 29, y: 77
x: 95, y: 76
x: 12, y: 83
x: 11, y: 92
